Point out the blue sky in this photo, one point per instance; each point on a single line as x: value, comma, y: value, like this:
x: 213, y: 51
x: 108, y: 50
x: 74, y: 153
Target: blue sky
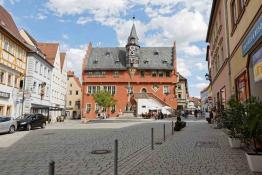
x: 75, y: 23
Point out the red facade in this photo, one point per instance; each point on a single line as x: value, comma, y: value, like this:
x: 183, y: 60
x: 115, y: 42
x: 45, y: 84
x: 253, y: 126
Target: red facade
x: 124, y: 83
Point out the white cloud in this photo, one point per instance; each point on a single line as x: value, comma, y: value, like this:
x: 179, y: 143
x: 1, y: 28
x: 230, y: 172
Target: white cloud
x: 74, y: 58
x: 201, y: 66
x: 84, y: 20
x: 40, y: 16
x: 193, y: 50
x: 183, y: 68
x: 65, y: 36
x: 200, y: 86
x: 199, y: 78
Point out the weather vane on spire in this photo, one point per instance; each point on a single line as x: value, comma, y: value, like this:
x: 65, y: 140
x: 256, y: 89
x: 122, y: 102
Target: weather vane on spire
x: 134, y: 18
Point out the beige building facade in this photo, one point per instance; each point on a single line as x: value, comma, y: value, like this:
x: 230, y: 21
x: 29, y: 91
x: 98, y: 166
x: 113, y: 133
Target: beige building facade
x: 218, y: 54
x: 182, y: 92
x: 245, y: 31
x: 73, y: 96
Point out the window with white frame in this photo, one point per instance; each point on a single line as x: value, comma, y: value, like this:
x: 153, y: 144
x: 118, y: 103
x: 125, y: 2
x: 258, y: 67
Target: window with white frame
x: 88, y: 107
x: 165, y: 89
x: 36, y: 66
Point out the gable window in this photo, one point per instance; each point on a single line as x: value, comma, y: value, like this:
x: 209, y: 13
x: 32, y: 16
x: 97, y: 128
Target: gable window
x: 160, y: 74
x: 156, y: 53
x: 179, y: 96
x: 168, y: 74
x: 165, y: 89
x: 115, y: 73
x: 142, y: 73
x: 154, y: 73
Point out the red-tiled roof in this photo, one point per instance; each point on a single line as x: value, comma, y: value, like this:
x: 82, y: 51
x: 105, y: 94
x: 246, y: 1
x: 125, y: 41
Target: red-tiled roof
x: 50, y: 50
x: 8, y: 24
x: 62, y: 59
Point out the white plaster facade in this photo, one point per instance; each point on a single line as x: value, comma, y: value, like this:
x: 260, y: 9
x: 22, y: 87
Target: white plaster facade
x: 58, y: 87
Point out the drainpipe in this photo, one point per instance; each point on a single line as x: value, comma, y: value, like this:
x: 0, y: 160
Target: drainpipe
x: 228, y: 48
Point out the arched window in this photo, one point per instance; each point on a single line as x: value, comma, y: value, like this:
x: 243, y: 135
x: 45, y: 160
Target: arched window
x: 144, y: 90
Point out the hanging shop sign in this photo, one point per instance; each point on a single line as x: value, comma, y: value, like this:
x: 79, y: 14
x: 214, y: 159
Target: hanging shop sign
x: 253, y: 36
x: 4, y: 95
x: 257, y: 65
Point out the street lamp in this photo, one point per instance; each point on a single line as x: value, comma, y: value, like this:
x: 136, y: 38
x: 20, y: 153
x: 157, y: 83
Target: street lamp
x: 208, y: 77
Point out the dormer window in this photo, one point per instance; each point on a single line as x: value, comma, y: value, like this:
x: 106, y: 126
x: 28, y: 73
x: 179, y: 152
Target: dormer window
x: 156, y: 53
x: 146, y: 61
x: 107, y: 53
x: 95, y: 61
x: 164, y: 61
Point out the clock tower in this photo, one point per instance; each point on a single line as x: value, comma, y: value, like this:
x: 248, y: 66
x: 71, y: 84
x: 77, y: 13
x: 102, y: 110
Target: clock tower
x: 132, y: 49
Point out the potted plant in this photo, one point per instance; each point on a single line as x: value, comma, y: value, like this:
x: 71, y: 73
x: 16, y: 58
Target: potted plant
x: 232, y: 118
x: 253, y: 133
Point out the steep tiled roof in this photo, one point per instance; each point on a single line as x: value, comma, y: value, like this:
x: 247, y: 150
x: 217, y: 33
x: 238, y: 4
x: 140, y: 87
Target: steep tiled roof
x: 50, y: 50
x: 62, y: 59
x: 115, y: 58
x: 8, y: 24
x: 71, y: 74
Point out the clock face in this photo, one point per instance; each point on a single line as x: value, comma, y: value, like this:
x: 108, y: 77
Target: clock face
x: 132, y: 48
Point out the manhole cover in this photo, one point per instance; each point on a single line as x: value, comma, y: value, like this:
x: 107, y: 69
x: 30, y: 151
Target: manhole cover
x: 207, y: 144
x: 158, y: 143
x: 101, y: 151
x: 50, y: 133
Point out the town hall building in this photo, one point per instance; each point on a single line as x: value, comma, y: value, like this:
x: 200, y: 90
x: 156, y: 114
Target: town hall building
x: 139, y: 78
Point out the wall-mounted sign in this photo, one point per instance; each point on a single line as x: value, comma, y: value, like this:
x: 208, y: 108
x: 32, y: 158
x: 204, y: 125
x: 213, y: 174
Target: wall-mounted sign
x: 257, y: 65
x: 252, y: 37
x: 4, y: 95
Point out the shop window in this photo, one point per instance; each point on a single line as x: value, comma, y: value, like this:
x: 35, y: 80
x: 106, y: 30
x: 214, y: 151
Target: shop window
x: 1, y: 110
x: 241, y: 87
x: 8, y: 110
x: 223, y: 98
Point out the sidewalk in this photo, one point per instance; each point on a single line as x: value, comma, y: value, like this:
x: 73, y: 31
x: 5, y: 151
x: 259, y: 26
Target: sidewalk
x: 197, y: 149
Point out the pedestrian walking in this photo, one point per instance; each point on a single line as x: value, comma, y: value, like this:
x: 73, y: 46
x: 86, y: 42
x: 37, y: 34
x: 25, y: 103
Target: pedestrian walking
x: 195, y: 113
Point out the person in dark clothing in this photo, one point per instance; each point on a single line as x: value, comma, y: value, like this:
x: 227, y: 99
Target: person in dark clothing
x: 195, y: 113
x: 211, y: 116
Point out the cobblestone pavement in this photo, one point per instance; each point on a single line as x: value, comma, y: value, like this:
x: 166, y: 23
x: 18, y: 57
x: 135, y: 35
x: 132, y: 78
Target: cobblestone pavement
x: 197, y: 149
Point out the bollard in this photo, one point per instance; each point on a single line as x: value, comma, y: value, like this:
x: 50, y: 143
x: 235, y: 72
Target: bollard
x: 164, y: 132
x: 152, y: 138
x: 116, y: 157
x: 51, y: 167
x: 172, y: 127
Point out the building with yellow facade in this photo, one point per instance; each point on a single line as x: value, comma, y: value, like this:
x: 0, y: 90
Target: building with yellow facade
x: 245, y: 45
x: 73, y: 96
x: 12, y: 66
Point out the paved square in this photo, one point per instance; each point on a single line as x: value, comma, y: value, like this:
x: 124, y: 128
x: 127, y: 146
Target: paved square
x: 70, y: 145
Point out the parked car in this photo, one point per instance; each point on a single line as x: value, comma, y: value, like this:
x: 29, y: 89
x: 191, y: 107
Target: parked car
x: 29, y: 121
x: 7, y: 124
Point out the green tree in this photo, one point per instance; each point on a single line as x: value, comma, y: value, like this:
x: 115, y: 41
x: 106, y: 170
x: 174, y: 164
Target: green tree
x: 104, y: 99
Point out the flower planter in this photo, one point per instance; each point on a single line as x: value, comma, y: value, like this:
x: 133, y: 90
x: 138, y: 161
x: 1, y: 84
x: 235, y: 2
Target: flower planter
x: 234, y: 142
x: 254, y: 162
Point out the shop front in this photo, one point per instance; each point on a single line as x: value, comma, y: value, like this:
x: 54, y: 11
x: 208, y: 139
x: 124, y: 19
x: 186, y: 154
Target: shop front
x: 252, y: 46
